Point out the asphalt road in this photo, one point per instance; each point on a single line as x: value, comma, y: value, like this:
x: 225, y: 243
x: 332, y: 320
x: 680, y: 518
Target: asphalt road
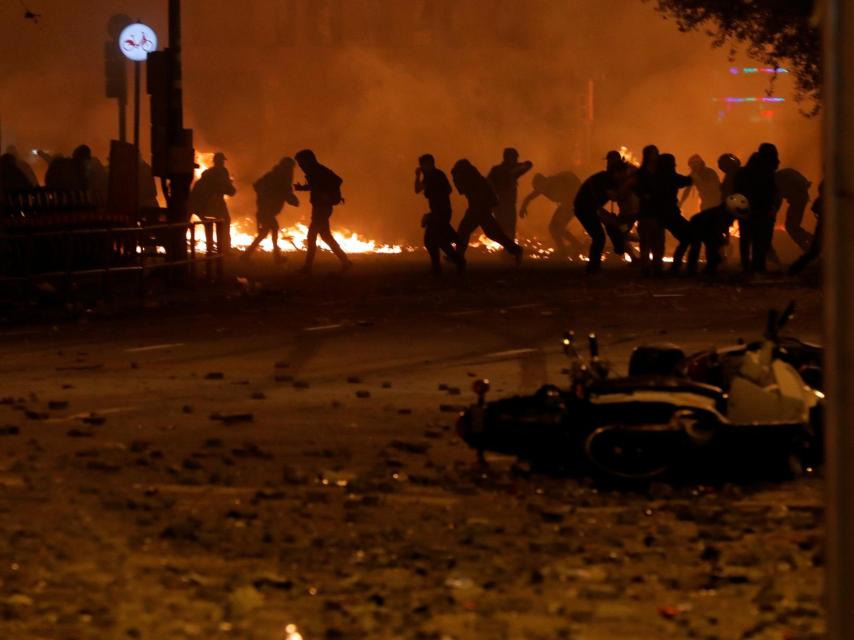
x: 282, y: 453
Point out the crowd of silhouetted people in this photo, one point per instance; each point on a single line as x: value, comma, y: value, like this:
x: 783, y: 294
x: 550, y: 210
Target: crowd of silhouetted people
x: 635, y: 207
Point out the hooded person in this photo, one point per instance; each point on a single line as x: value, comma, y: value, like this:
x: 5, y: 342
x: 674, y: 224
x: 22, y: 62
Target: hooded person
x: 324, y: 185
x: 272, y: 191
x: 481, y: 203
x: 560, y: 189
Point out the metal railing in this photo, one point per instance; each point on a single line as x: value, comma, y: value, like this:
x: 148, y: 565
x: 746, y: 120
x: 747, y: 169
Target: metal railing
x: 69, y: 256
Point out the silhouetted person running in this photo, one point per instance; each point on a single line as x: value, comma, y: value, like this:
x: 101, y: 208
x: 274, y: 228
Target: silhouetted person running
x: 439, y: 235
x: 272, y: 191
x: 710, y: 229
x: 207, y: 198
x: 706, y: 182
x: 794, y: 189
x: 481, y: 202
x: 24, y: 166
x: 665, y: 203
x: 729, y: 165
x: 756, y: 182
x: 504, y: 179
x: 325, y: 188
x: 589, y: 205
x: 814, y: 251
x: 561, y: 188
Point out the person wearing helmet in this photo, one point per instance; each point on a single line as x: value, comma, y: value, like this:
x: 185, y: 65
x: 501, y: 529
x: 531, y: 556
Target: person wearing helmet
x: 729, y: 165
x: 706, y: 182
x: 710, y: 229
x: 207, y: 198
x: 273, y: 190
x: 504, y: 179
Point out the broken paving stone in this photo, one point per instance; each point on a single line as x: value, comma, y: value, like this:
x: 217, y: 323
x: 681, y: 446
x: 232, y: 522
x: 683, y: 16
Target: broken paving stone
x: 273, y: 581
x: 284, y: 378
x: 94, y: 420
x: 36, y: 415
x: 354, y: 380
x: 302, y: 385
x: 443, y: 387
x: 258, y: 395
x: 364, y: 395
x: 9, y: 430
x: 245, y: 600
x: 282, y: 365
x: 295, y: 475
x: 410, y: 447
x: 187, y: 409
x: 57, y: 405
x: 138, y: 446
x: 404, y: 412
x: 386, y: 385
x: 453, y: 391
x: 451, y: 408
x: 215, y: 375
x: 213, y: 443
x: 79, y: 433
x: 230, y: 419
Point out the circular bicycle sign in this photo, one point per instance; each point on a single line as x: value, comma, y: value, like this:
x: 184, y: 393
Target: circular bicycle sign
x: 137, y: 41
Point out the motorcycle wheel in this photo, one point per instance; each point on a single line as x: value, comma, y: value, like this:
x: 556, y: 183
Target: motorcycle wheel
x: 633, y: 455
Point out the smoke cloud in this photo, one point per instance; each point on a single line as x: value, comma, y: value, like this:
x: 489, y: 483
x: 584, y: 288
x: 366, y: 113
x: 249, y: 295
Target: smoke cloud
x: 372, y: 84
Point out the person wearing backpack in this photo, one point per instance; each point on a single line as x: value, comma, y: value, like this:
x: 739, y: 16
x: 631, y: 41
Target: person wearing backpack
x: 325, y: 189
x: 273, y: 190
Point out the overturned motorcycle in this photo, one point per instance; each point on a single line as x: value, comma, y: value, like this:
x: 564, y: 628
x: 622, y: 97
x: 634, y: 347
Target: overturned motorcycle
x: 760, y: 419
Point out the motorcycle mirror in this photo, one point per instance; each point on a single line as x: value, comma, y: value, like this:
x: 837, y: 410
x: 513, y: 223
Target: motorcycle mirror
x: 569, y: 343
x: 594, y: 345
x: 771, y: 328
x: 788, y: 314
x: 481, y: 388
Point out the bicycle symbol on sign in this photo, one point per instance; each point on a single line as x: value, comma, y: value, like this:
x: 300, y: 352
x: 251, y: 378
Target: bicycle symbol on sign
x: 138, y: 43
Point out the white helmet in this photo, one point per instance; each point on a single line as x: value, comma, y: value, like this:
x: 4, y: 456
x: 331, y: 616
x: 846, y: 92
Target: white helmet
x: 738, y: 205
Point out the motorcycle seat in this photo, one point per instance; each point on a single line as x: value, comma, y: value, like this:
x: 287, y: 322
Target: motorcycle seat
x: 656, y: 383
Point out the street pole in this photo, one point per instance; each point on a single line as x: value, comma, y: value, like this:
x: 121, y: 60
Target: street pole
x: 839, y: 312
x: 137, y: 72
x: 123, y: 119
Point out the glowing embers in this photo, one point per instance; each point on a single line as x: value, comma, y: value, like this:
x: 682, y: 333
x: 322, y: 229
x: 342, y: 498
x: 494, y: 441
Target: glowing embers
x: 629, y: 157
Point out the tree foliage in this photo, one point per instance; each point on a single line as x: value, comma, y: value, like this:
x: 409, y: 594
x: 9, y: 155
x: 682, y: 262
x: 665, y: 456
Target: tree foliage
x: 773, y: 32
